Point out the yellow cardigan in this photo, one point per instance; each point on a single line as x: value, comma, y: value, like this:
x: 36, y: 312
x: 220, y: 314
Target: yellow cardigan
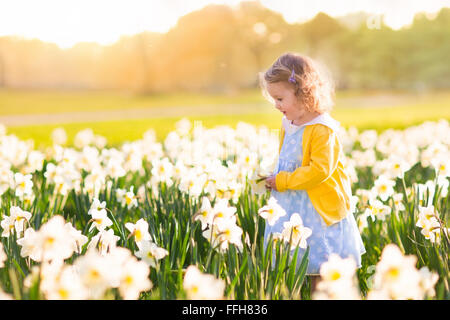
x: 321, y: 174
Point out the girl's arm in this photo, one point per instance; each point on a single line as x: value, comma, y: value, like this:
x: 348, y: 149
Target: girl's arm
x: 324, y: 160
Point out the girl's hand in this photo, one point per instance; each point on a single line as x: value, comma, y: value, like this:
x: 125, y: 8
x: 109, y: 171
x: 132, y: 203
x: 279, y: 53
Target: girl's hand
x: 270, y: 183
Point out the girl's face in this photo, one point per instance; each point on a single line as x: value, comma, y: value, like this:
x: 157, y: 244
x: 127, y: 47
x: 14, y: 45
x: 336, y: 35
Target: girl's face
x: 288, y: 103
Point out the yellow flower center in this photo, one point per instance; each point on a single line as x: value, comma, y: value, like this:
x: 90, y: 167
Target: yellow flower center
x: 128, y: 199
x: 194, y: 289
x: 128, y: 279
x: 335, y: 275
x: 94, y: 274
x: 63, y: 293
x: 393, y: 273
x: 428, y: 216
x: 49, y: 241
x: 138, y: 235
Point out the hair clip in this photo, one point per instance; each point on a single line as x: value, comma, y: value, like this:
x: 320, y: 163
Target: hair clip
x: 292, y: 77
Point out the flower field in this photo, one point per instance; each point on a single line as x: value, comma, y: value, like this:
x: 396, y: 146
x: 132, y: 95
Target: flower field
x: 185, y: 218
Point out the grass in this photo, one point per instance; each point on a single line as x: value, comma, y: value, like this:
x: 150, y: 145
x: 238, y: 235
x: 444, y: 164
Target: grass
x: 359, y: 109
x: 51, y: 101
x: 17, y: 102
x: 128, y: 130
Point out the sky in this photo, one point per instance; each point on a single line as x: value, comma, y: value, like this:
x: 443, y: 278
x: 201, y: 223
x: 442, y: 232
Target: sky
x: 66, y: 22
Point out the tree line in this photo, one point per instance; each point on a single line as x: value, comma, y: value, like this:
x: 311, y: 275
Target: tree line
x: 222, y: 49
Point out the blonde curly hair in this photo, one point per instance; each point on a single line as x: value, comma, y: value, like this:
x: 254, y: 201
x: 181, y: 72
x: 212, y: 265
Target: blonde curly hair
x: 310, y: 81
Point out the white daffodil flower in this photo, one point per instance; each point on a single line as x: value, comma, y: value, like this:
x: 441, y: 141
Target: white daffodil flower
x: 204, y: 215
x: 131, y: 199
x: 199, y: 286
x: 104, y: 240
x: 150, y: 253
x: 272, y: 211
x: 100, y: 220
x: 396, y: 275
x: 139, y: 230
x: 294, y: 228
x: 23, y: 184
x: 383, y: 187
x: 134, y: 279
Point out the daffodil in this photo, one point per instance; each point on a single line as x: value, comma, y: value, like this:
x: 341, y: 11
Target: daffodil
x: 96, y: 273
x: 67, y: 285
x: 100, y: 220
x: 97, y: 206
x: 383, y: 187
x: 150, y: 253
x: 396, y: 275
x: 368, y: 139
x: 377, y: 210
x: 29, y: 244
x: 8, y: 225
x: 428, y: 280
x: 337, y: 280
x: 104, y: 240
x: 59, y: 136
x: 429, y: 222
x: 23, y: 184
x: 130, y: 199
x: 397, y: 166
x: 163, y: 170
x: 139, y: 230
x: 295, y: 232
x: 49, y: 243
x: 78, y: 239
x: 199, y: 286
x: 134, y: 279
x: 272, y: 211
x: 204, y: 213
x: 337, y: 268
x: 398, y: 201
x: 221, y: 212
x: 229, y: 232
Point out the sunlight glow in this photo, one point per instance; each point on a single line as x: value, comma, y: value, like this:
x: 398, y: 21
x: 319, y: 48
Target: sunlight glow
x: 66, y: 22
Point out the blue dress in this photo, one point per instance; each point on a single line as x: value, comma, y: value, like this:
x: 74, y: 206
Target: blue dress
x: 342, y: 238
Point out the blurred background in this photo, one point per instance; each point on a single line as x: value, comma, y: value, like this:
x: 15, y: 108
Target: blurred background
x: 122, y: 67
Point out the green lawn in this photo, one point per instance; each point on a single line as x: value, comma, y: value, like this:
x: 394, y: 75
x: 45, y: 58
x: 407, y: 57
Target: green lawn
x: 50, y: 101
x: 120, y: 131
x: 361, y: 110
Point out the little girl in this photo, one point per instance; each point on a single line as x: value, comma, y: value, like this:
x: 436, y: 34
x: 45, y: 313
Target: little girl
x: 309, y: 178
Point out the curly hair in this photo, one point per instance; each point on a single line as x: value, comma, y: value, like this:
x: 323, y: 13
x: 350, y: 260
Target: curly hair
x: 312, y: 84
